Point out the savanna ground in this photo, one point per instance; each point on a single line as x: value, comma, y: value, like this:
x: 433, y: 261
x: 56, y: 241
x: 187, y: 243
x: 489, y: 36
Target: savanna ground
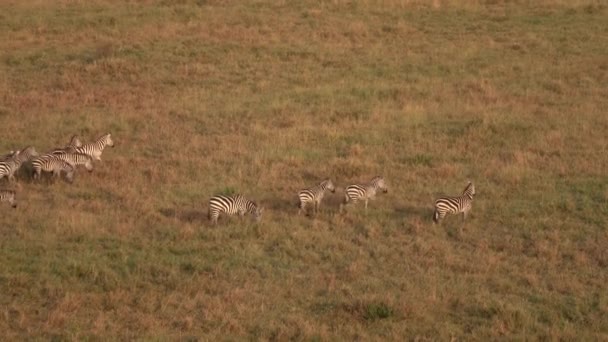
x: 266, y: 97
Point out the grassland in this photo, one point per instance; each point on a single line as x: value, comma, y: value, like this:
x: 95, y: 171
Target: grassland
x: 266, y: 97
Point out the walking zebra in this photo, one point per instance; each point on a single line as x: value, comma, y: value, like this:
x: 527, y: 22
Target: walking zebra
x: 95, y: 148
x: 356, y: 192
x: 8, y: 196
x: 231, y: 205
x: 76, y: 159
x: 455, y: 205
x: 54, y: 165
x: 314, y: 195
x: 9, y: 166
x: 13, y: 163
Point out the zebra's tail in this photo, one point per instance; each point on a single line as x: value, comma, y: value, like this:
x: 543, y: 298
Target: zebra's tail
x: 436, y: 216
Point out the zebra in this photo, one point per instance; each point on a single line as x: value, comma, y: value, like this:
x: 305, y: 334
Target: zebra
x: 455, y: 205
x: 13, y: 163
x: 95, y: 148
x: 8, y: 167
x: 69, y: 148
x: 8, y: 196
x: 314, y: 195
x: 76, y: 159
x: 74, y: 142
x: 233, y: 205
x: 54, y: 165
x: 356, y: 192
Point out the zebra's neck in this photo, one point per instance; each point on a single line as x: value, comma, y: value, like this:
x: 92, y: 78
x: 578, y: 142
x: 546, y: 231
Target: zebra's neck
x: 100, y: 143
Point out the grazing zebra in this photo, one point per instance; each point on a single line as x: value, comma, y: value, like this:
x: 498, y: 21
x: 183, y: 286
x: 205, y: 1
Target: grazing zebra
x: 356, y: 192
x: 233, y: 205
x: 76, y: 159
x: 54, y: 165
x: 8, y: 196
x: 95, y: 148
x: 314, y: 195
x: 455, y: 205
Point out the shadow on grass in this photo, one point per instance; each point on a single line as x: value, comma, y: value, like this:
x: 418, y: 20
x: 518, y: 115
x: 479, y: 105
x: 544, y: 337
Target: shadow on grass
x: 185, y: 215
x: 424, y: 213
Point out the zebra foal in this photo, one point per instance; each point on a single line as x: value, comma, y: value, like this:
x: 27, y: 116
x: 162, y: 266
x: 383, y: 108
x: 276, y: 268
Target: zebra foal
x: 314, y: 195
x: 76, y: 159
x: 231, y: 205
x: 455, y: 204
x: 52, y: 164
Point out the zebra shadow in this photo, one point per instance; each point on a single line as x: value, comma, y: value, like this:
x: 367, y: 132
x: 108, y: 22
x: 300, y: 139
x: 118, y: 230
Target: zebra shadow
x: 425, y: 213
x: 187, y: 215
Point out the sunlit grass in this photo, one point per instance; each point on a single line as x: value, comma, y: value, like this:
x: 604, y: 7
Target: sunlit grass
x: 265, y: 98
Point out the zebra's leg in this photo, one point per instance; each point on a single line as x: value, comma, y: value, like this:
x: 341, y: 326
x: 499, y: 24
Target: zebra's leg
x: 343, y: 204
x: 316, y: 207
x: 56, y: 174
x: 436, y: 216
x: 465, y: 213
x: 366, y: 200
x: 302, y: 207
x: 213, y: 217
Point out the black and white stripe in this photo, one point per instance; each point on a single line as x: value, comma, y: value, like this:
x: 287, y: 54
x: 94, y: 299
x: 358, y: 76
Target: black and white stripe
x: 8, y: 167
x: 95, y: 148
x: 231, y: 205
x: 455, y: 205
x: 314, y: 195
x: 8, y: 196
x: 363, y: 192
x: 52, y: 164
x: 76, y: 159
x: 14, y: 162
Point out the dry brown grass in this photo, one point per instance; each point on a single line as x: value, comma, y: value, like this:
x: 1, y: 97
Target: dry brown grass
x: 266, y: 97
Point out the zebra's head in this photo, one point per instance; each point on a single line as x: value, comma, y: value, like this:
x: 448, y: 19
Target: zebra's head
x: 28, y: 153
x: 15, y: 157
x: 469, y: 191
x: 108, y: 140
x: 74, y: 142
x: 329, y: 185
x: 379, y: 183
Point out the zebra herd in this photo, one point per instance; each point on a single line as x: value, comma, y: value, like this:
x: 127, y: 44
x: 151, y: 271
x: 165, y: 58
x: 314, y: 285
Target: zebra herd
x: 57, y: 161
x: 231, y: 205
x: 66, y: 159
